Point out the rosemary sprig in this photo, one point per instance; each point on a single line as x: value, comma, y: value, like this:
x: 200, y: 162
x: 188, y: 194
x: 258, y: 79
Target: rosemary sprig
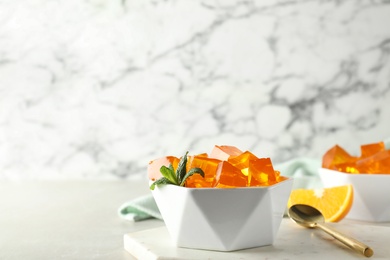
x: 179, y: 178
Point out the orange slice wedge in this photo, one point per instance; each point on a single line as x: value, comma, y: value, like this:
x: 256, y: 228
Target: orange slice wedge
x: 334, y: 203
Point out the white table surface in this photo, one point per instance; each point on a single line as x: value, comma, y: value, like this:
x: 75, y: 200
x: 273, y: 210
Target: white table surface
x: 78, y: 220
x: 67, y: 219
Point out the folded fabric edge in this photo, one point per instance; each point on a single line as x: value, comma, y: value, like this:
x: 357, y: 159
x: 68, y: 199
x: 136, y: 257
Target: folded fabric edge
x: 139, y: 209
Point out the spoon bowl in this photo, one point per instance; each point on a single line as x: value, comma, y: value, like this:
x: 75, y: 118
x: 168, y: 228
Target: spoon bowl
x: 305, y: 215
x: 310, y: 217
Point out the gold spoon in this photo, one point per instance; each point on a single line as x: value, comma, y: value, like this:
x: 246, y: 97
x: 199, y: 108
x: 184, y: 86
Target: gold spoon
x: 310, y: 217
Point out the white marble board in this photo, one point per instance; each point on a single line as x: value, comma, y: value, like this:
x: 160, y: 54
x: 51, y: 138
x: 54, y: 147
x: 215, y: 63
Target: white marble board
x: 293, y: 242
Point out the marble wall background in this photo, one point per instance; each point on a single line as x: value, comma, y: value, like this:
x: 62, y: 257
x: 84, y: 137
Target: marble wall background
x: 96, y: 89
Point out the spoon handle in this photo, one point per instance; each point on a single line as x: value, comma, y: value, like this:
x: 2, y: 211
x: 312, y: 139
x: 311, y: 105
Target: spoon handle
x: 348, y: 241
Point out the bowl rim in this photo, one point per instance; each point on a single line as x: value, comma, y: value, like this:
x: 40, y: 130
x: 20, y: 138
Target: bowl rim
x: 288, y: 179
x: 361, y: 175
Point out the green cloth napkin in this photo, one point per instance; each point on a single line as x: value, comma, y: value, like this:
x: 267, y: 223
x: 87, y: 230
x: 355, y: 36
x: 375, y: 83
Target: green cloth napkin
x: 304, y: 172
x: 139, y: 209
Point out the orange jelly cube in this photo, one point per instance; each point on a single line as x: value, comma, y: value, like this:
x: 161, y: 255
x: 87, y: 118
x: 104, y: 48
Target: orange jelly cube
x: 241, y: 161
x: 228, y: 176
x: 258, y: 171
x: 374, y: 159
x: 371, y: 149
x: 335, y: 156
x: 262, y: 172
x: 223, y: 152
x: 349, y: 167
x: 377, y: 163
x: 209, y: 167
x: 155, y: 165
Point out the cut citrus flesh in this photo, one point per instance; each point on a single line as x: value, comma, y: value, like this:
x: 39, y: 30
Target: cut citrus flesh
x: 334, y: 202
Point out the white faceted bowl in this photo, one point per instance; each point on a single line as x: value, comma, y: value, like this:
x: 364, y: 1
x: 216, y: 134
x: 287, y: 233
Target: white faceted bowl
x: 223, y: 219
x: 371, y: 193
